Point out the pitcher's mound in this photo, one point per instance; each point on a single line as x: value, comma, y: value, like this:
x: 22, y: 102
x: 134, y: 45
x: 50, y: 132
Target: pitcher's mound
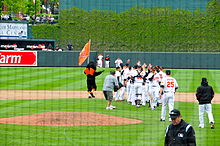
x: 68, y: 119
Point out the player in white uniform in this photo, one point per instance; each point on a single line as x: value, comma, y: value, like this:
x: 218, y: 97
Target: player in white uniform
x: 154, y: 88
x: 118, y: 62
x: 138, y: 83
x: 124, y: 74
x: 118, y: 77
x: 146, y: 88
x: 162, y: 75
x: 168, y: 88
x: 129, y: 85
x: 99, y: 60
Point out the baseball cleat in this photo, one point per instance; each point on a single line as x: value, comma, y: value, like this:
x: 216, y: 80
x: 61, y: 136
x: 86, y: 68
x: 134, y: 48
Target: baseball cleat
x: 212, y: 125
x: 113, y: 107
x: 162, y: 120
x: 89, y: 96
x: 158, y: 104
x: 109, y: 108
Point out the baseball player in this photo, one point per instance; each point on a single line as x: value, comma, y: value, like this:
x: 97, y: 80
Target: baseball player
x: 118, y: 62
x: 162, y: 75
x: 168, y: 88
x: 119, y: 79
x: 124, y: 74
x: 129, y: 85
x: 204, y: 95
x: 99, y: 60
x: 138, y: 83
x: 107, y: 61
x: 154, y: 88
x: 145, y: 88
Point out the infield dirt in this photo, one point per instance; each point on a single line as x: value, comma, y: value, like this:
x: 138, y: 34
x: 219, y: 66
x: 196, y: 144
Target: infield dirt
x: 72, y: 118
x: 45, y: 94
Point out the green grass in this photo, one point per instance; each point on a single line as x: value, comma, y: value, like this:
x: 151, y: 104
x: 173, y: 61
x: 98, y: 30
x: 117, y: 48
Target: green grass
x: 150, y: 132
x: 74, y: 79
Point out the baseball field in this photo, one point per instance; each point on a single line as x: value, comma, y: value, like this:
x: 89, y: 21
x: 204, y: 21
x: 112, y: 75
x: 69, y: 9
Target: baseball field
x: 49, y: 106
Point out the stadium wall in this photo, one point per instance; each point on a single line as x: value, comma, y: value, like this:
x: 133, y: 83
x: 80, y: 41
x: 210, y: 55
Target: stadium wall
x: 165, y: 59
x: 122, y: 5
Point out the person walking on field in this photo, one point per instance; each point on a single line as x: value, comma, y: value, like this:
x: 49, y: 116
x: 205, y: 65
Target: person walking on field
x: 204, y: 95
x: 179, y: 133
x: 168, y: 87
x: 109, y: 84
x: 91, y: 73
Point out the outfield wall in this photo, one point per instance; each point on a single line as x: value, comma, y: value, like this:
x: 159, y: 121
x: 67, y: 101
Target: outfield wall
x: 165, y: 59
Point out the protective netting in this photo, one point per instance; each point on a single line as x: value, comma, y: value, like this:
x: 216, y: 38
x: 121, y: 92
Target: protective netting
x: 158, y: 52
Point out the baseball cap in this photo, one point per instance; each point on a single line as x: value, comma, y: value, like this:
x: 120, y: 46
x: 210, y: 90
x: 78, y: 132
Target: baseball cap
x: 168, y: 72
x: 135, y: 66
x: 174, y: 114
x: 204, y: 80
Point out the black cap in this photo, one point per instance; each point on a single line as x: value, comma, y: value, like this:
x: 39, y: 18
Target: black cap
x: 112, y: 72
x: 168, y: 72
x: 126, y: 64
x: 174, y: 114
x: 204, y: 80
x: 135, y: 66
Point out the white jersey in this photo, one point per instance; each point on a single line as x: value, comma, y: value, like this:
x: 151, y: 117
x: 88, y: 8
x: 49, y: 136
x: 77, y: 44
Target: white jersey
x: 169, y: 84
x: 118, y: 76
x: 118, y: 62
x: 138, y: 76
x: 155, y: 81
x: 126, y: 73
x: 162, y: 75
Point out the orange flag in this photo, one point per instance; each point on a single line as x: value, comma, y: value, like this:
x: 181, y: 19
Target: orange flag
x: 84, y: 54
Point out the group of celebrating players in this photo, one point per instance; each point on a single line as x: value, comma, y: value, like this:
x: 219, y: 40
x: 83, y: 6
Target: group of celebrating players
x: 146, y: 84
x: 142, y: 83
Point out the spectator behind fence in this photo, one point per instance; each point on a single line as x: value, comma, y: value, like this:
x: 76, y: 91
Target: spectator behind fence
x: 69, y: 46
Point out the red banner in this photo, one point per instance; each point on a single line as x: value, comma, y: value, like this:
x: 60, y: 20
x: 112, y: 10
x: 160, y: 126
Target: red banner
x: 12, y: 58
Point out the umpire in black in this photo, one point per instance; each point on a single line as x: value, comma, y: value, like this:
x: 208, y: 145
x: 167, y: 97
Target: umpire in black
x: 179, y: 133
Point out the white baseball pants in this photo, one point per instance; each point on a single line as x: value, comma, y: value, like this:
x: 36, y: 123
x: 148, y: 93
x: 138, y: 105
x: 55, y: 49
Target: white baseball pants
x: 167, y: 99
x: 145, y: 96
x: 154, y: 91
x: 129, y: 86
x: 136, y: 92
x: 202, y: 109
x: 107, y: 64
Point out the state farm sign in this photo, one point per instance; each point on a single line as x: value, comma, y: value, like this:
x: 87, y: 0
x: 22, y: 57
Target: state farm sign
x: 12, y: 58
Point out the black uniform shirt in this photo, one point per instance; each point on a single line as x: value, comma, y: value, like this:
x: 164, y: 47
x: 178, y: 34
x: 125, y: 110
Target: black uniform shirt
x: 182, y: 134
x: 204, y: 93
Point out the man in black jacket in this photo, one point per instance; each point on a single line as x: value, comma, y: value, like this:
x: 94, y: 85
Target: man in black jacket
x: 179, y: 133
x: 205, y: 95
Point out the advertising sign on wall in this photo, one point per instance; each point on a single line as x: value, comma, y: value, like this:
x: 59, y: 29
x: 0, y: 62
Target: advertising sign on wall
x: 16, y: 58
x: 13, y: 30
x: 26, y: 44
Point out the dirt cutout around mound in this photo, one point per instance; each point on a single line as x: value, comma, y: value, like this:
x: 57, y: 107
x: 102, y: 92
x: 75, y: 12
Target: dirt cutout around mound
x: 68, y: 119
